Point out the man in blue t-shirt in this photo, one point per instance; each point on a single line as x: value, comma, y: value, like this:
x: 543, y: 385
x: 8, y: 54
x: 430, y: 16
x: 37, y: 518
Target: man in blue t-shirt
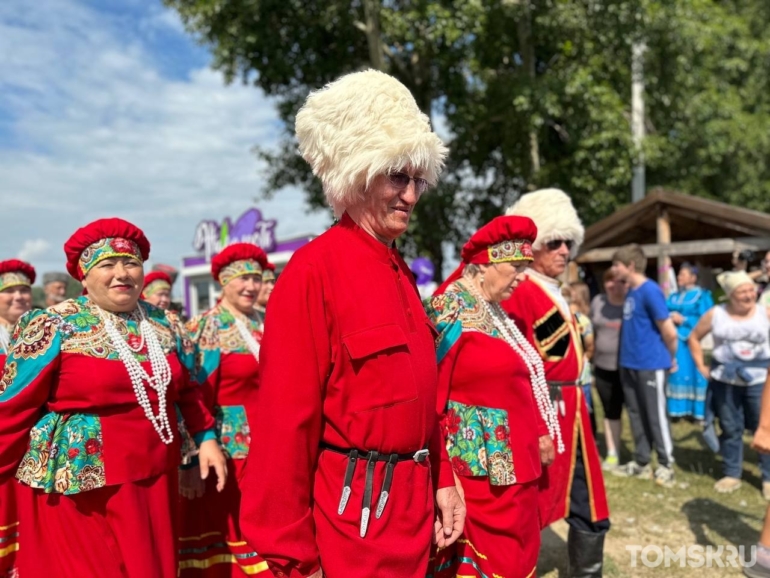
x: 647, y: 352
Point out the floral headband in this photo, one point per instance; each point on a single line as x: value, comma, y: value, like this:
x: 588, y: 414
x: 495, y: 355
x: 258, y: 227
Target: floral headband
x: 238, y: 269
x: 14, y: 279
x: 108, y: 248
x: 268, y: 275
x: 155, y: 286
x: 513, y: 250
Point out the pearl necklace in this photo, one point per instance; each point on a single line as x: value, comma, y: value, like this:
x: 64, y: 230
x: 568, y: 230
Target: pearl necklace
x: 248, y: 337
x: 161, y: 371
x: 511, y: 334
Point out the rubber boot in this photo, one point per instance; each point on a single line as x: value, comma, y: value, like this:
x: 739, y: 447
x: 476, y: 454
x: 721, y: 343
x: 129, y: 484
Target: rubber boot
x: 586, y: 554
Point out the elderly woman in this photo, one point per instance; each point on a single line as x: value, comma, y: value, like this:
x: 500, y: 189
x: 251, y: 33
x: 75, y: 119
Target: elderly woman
x: 738, y: 371
x: 498, y: 418
x: 686, y: 393
x: 157, y: 289
x: 341, y: 470
x: 226, y: 340
x: 16, y: 279
x: 85, y: 420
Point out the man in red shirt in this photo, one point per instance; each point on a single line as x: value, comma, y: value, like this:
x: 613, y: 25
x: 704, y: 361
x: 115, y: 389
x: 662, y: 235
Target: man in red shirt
x: 572, y: 487
x: 346, y: 447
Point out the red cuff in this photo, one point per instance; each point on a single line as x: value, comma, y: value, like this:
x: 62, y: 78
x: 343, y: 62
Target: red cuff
x: 446, y: 477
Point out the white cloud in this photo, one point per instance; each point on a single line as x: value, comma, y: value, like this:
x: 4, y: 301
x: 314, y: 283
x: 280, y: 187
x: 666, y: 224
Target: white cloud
x: 33, y: 249
x: 99, y: 129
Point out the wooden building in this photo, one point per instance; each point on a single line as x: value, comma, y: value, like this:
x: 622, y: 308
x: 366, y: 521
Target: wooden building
x: 673, y: 227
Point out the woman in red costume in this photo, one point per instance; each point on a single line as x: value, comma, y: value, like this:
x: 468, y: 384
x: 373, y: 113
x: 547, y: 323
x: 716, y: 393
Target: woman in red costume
x: 227, y: 341
x: 16, y: 279
x: 338, y: 482
x: 85, y: 420
x: 157, y: 289
x: 498, y: 421
x: 268, y: 284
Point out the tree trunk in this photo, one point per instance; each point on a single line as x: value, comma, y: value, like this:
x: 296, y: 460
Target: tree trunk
x: 527, y: 51
x: 373, y: 34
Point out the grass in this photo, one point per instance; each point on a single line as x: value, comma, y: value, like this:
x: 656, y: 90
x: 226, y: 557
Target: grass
x: 691, y: 513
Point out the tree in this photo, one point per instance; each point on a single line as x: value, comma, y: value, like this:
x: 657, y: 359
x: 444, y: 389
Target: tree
x: 533, y: 93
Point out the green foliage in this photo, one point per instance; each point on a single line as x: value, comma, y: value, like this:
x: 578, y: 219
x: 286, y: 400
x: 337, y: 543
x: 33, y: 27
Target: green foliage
x: 465, y: 61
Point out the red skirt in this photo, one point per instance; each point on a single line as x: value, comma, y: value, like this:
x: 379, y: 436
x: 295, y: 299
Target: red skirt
x: 501, y: 536
x: 9, y: 529
x: 211, y: 544
x: 121, y: 531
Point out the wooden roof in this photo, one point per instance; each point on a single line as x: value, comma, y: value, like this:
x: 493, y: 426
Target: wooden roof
x: 692, y: 218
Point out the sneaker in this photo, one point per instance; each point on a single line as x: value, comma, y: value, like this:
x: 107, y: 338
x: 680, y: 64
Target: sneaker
x: 757, y: 571
x: 610, y: 463
x: 664, y: 476
x: 727, y: 485
x: 633, y: 470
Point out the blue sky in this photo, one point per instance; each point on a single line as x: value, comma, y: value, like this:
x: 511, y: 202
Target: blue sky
x: 111, y: 109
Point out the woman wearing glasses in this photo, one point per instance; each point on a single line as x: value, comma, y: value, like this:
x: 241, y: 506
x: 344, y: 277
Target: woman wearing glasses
x: 493, y: 398
x: 87, y: 421
x: 339, y: 479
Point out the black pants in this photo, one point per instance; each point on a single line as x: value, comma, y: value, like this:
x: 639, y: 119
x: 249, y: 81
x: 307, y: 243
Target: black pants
x: 610, y: 392
x: 579, y: 503
x: 645, y: 396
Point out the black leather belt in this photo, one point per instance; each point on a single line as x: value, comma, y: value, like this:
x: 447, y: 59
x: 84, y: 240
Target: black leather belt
x: 563, y: 383
x: 554, y: 388
x: 371, y: 458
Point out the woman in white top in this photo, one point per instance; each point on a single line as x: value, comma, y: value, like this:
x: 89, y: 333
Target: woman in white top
x: 741, y: 355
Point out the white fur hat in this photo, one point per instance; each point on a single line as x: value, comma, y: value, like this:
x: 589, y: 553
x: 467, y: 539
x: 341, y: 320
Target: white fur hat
x: 553, y: 214
x: 362, y: 125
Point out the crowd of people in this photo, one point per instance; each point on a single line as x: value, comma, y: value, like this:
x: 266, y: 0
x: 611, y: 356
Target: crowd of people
x: 332, y: 423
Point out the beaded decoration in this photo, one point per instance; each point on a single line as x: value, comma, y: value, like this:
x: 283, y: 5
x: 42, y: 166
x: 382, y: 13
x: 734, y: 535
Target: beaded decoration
x: 238, y: 269
x: 14, y: 279
x: 108, y: 248
x: 510, y: 332
x: 155, y: 286
x: 510, y: 250
x: 161, y: 371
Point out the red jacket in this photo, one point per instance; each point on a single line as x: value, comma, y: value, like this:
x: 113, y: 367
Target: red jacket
x: 348, y: 359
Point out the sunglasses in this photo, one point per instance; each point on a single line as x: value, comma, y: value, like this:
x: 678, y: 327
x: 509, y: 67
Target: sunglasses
x: 556, y: 243
x: 401, y: 181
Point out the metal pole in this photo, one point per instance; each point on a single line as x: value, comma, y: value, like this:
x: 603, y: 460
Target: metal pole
x: 637, y: 119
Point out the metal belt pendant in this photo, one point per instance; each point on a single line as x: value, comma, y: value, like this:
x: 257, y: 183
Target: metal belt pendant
x: 349, y: 471
x: 367, y: 504
x: 385, y: 492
